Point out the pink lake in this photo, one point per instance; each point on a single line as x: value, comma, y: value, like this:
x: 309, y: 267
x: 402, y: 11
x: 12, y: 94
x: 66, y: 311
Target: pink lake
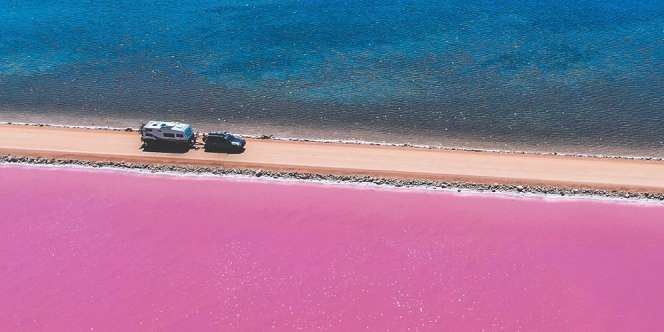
x: 114, y: 251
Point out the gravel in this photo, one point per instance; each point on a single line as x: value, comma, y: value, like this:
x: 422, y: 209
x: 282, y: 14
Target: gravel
x: 409, y: 183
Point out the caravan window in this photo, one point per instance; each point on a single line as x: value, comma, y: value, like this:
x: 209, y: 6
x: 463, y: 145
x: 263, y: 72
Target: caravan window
x: 168, y: 135
x: 178, y: 135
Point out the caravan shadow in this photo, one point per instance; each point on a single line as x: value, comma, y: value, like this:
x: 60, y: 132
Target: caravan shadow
x: 165, y: 148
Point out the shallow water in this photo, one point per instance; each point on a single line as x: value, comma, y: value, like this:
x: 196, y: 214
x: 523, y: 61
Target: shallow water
x: 116, y: 251
x: 572, y: 76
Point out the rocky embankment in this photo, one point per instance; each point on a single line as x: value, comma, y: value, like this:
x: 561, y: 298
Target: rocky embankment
x: 459, y: 186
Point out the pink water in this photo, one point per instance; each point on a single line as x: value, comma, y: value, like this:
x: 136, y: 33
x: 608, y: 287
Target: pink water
x: 110, y: 251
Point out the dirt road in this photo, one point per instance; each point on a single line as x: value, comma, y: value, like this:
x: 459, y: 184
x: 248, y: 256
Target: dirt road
x: 328, y: 158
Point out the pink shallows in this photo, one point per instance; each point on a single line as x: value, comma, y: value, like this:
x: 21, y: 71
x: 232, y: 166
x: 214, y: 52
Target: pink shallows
x: 113, y: 251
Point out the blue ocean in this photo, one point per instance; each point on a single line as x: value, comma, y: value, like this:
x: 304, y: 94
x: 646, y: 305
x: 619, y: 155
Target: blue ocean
x: 547, y: 75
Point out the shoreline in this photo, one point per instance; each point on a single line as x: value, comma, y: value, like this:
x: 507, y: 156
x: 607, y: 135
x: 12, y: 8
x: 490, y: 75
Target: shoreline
x: 361, y: 182
x: 360, y: 142
x: 396, y: 166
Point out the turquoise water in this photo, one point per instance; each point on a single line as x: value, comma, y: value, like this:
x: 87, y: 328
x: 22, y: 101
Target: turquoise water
x: 583, y: 74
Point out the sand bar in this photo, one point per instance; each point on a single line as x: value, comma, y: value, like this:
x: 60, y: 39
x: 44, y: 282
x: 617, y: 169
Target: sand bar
x: 342, y: 159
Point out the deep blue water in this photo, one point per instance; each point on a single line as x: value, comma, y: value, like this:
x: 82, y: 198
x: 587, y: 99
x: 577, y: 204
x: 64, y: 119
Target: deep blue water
x: 588, y: 74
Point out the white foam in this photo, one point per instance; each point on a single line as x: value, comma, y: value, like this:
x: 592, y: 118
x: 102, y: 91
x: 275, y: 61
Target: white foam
x: 454, y: 190
x: 362, y: 142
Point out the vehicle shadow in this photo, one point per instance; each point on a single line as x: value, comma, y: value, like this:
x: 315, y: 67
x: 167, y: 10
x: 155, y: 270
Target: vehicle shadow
x: 225, y: 151
x: 165, y: 148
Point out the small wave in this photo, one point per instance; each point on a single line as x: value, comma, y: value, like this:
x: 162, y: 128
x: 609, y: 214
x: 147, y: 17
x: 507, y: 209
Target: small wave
x: 363, y: 142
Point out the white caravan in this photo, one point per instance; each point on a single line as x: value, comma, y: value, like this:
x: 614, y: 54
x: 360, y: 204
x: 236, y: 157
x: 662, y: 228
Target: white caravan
x: 167, y: 132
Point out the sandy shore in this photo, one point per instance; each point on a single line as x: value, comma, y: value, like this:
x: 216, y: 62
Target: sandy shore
x: 347, y: 159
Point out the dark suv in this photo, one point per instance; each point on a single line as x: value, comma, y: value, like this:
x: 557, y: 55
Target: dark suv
x: 218, y: 141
